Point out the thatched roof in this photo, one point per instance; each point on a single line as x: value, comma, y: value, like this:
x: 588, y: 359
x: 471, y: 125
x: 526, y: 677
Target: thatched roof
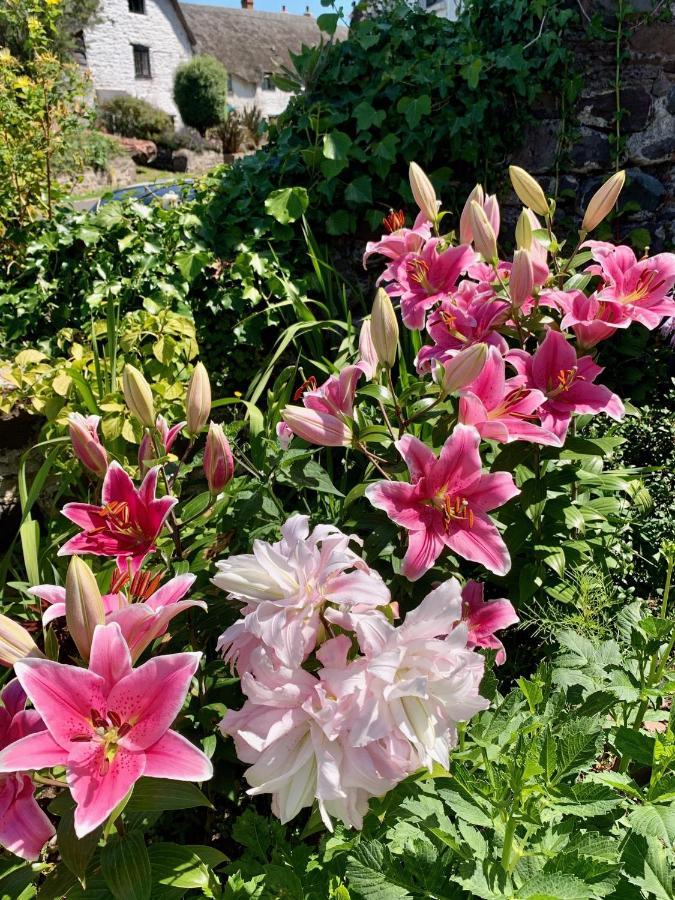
x: 247, y: 42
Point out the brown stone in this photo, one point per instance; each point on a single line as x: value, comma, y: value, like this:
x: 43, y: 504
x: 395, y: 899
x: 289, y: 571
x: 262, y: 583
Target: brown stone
x: 654, y: 39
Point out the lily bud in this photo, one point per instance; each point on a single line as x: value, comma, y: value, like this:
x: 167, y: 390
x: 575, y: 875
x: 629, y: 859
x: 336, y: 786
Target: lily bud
x: 84, y: 606
x: 138, y: 396
x: 602, y: 201
x: 464, y: 368
x: 484, y: 237
x: 15, y: 642
x: 528, y: 190
x: 465, y: 229
x: 146, y: 453
x: 367, y: 353
x: 521, y: 283
x: 423, y: 192
x: 87, y: 446
x: 218, y: 461
x: 317, y: 427
x: 524, y: 231
x: 384, y: 328
x: 198, y: 400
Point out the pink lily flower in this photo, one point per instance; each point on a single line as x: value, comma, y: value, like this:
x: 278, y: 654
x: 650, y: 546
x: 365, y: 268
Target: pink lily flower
x: 446, y: 503
x: 24, y: 827
x: 398, y: 242
x: 425, y: 278
x: 538, y: 252
x: 592, y: 320
x: 284, y: 434
x: 642, y: 288
x: 167, y: 437
x: 128, y: 523
x: 368, y: 360
x: 87, y: 445
x: 327, y: 410
x: 142, y: 622
x: 490, y: 206
x: 567, y: 382
x: 470, y: 316
x: 503, y: 411
x: 108, y: 725
x: 483, y: 618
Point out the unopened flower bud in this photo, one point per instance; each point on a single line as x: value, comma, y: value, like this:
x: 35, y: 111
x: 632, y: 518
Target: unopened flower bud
x: 528, y: 190
x: 524, y: 231
x: 87, y: 446
x: 423, y: 192
x: 465, y: 229
x: 218, y: 461
x: 484, y: 237
x: 602, y: 201
x: 384, y: 328
x: 464, y: 368
x: 284, y: 435
x: 198, y: 400
x: 521, y: 282
x: 138, y: 396
x: 317, y: 427
x: 146, y: 453
x: 84, y: 606
x: 15, y: 642
x: 367, y: 352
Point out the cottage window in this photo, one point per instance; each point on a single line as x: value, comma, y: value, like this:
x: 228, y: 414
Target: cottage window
x: 142, y: 61
x: 268, y: 83
x: 137, y: 6
x: 230, y: 89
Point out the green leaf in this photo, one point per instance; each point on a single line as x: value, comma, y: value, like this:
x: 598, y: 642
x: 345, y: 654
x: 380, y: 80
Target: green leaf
x: 472, y: 72
x: 75, y: 852
x: 360, y: 191
x: 158, y: 794
x: 555, y: 887
x: 338, y: 222
x: 577, y: 746
x: 638, y: 746
x: 464, y: 808
x: 367, y: 874
x: 328, y: 22
x: 287, y: 204
x: 191, y: 262
x: 414, y: 108
x: 177, y: 866
x: 366, y: 116
x: 126, y: 867
x: 654, y: 821
x: 646, y: 865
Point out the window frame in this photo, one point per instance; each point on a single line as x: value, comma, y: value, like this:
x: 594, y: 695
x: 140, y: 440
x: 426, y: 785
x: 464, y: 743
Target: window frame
x: 136, y: 12
x: 268, y: 79
x: 138, y: 65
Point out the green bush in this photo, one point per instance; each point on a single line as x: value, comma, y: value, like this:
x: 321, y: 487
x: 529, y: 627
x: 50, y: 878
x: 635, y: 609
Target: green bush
x: 200, y: 92
x: 90, y: 149
x: 134, y: 118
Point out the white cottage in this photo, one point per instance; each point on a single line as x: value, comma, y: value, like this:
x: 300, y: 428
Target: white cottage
x: 135, y: 47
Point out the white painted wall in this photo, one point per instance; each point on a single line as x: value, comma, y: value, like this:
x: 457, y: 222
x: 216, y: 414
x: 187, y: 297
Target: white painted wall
x: 245, y: 93
x: 444, y: 9
x: 110, y: 55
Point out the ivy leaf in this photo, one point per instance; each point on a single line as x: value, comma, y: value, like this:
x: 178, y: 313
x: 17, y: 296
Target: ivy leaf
x: 414, y: 108
x: 336, y: 145
x: 287, y: 204
x: 191, y: 262
x: 471, y: 72
x: 360, y: 191
x: 328, y: 22
x: 367, y: 116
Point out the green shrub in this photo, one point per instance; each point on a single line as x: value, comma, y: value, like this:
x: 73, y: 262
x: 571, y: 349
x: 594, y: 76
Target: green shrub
x: 134, y: 118
x: 90, y: 149
x: 200, y: 92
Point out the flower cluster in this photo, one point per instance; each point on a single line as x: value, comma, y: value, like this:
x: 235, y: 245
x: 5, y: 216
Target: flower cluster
x: 341, y: 703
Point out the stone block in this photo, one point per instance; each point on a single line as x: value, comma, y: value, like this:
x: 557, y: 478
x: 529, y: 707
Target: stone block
x: 656, y: 144
x: 538, y: 151
x: 654, y: 39
x: 590, y: 151
x: 597, y: 110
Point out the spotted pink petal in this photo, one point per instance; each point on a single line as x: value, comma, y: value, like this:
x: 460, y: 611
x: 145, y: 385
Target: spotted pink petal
x: 35, y: 751
x: 173, y: 756
x: 98, y: 787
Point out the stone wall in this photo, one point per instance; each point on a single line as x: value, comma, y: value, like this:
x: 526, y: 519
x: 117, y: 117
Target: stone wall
x: 585, y: 154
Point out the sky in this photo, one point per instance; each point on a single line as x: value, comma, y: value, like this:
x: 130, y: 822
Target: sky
x: 293, y: 6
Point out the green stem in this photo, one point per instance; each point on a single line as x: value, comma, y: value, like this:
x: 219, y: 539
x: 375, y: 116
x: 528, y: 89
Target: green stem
x: 508, y: 843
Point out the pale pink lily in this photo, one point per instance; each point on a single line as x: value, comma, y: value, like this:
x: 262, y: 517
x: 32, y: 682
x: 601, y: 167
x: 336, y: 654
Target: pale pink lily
x: 368, y: 360
x: 446, y: 503
x: 398, y: 242
x: 490, y: 206
x: 538, y: 252
x: 87, y: 445
x: 567, y: 382
x: 502, y: 410
x: 288, y: 586
x: 167, y: 438
x: 327, y: 410
x: 143, y: 621
x: 284, y: 434
x: 423, y: 279
x: 24, y: 827
x: 642, y: 288
x: 126, y: 525
x: 592, y: 320
x: 108, y: 725
x: 484, y: 617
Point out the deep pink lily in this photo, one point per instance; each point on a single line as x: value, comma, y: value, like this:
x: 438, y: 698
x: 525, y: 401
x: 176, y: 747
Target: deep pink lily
x: 108, y: 725
x: 423, y: 279
x: 126, y: 525
x: 483, y: 618
x: 167, y: 438
x: 24, y: 828
x: 567, y: 382
x: 446, y: 503
x: 592, y: 320
x: 471, y: 316
x: 398, y: 242
x: 501, y: 410
x: 642, y: 288
x: 325, y: 416
x: 142, y: 621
